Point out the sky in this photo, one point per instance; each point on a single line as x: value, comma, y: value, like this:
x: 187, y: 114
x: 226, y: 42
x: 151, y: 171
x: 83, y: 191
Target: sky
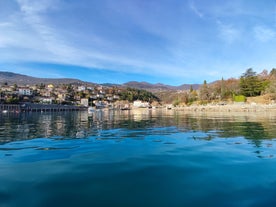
x: 158, y: 41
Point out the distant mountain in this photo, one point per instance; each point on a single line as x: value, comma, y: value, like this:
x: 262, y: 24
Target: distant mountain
x: 188, y: 86
x: 111, y: 84
x: 147, y: 86
x: 22, y: 80
x: 19, y: 79
x: 159, y: 86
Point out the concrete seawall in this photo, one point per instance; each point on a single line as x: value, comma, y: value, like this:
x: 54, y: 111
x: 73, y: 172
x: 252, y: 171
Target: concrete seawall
x: 30, y: 107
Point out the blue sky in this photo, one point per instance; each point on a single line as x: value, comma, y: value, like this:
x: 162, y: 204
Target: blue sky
x: 158, y: 41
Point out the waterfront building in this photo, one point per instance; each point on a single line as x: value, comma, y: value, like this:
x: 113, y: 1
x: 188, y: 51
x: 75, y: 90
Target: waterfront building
x: 25, y: 91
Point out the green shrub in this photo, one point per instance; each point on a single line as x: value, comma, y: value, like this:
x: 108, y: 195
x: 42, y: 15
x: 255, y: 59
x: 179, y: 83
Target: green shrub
x: 239, y: 98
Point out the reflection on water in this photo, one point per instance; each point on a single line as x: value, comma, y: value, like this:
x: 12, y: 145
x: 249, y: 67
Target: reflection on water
x: 137, y: 158
x: 15, y: 127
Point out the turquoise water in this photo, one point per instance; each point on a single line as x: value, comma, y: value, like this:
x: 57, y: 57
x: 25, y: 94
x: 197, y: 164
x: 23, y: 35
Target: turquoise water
x: 137, y: 158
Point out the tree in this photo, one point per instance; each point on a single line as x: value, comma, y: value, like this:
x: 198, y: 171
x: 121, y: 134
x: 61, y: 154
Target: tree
x: 272, y: 83
x: 204, y: 92
x: 15, y: 87
x: 222, y: 89
x: 231, y: 87
x: 41, y: 86
x: 264, y: 74
x: 218, y: 90
x: 132, y: 94
x: 272, y: 74
x: 250, y: 84
x: 249, y: 73
x: 70, y: 93
x: 12, y: 100
x: 192, y: 96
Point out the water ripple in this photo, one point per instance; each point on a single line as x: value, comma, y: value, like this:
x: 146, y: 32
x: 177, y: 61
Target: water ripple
x: 154, y: 159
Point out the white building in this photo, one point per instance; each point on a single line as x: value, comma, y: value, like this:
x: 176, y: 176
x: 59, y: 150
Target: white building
x: 141, y: 104
x: 84, y: 101
x: 46, y: 100
x: 81, y: 88
x: 25, y: 91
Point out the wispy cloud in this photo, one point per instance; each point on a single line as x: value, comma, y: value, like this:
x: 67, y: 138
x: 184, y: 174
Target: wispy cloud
x: 44, y: 41
x: 194, y: 8
x: 5, y: 40
x: 58, y: 49
x: 32, y: 7
x: 264, y: 34
x: 50, y: 41
x: 165, y: 38
x: 228, y: 33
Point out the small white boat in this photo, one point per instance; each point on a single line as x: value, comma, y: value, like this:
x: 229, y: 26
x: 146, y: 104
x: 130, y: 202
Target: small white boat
x: 5, y: 111
x: 90, y: 110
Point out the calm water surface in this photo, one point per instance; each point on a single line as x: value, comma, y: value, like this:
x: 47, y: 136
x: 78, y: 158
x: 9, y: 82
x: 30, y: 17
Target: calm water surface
x: 137, y: 158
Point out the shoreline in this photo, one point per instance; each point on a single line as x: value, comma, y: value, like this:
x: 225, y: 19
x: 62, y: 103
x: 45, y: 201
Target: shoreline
x: 229, y: 108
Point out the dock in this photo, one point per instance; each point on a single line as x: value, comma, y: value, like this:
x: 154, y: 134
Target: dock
x: 10, y: 108
x: 32, y: 107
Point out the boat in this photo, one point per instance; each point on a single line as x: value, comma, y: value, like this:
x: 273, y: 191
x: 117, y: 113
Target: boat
x: 5, y: 111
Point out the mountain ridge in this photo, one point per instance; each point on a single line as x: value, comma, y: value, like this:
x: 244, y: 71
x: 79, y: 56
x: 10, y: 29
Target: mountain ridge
x: 21, y: 79
x: 160, y: 86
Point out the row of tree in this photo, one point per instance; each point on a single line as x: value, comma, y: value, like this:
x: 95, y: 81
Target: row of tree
x: 132, y: 94
x: 248, y: 85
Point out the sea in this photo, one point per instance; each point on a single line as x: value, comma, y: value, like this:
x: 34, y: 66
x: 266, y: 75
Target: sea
x: 138, y: 158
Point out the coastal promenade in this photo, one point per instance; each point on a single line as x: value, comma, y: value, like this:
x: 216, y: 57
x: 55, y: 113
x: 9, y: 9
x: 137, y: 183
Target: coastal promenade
x: 31, y: 107
x: 228, y: 108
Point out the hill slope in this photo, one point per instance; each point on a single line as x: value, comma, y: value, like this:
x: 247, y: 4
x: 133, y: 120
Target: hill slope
x: 19, y: 79
x: 159, y: 86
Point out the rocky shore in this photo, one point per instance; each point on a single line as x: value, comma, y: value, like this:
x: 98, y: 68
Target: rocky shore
x: 230, y: 108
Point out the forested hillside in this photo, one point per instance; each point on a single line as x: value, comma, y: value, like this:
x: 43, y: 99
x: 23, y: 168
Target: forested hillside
x: 250, y: 84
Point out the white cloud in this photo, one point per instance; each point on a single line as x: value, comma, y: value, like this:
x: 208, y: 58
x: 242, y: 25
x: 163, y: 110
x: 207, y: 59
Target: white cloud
x: 31, y: 12
x: 32, y: 7
x: 11, y: 35
x: 228, y: 32
x: 4, y: 39
x: 144, y: 38
x: 195, y: 9
x: 44, y: 42
x: 5, y: 24
x: 34, y: 37
x: 264, y: 34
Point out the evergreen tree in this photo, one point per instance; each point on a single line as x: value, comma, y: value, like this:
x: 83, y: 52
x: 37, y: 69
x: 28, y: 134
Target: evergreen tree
x: 222, y: 89
x: 204, y: 91
x: 132, y: 94
x: 250, y: 85
x: 272, y: 74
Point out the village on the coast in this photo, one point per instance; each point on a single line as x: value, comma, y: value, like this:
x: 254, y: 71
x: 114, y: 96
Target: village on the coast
x: 250, y: 93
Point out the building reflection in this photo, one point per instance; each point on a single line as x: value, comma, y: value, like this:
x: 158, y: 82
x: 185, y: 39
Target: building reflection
x: 70, y: 125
